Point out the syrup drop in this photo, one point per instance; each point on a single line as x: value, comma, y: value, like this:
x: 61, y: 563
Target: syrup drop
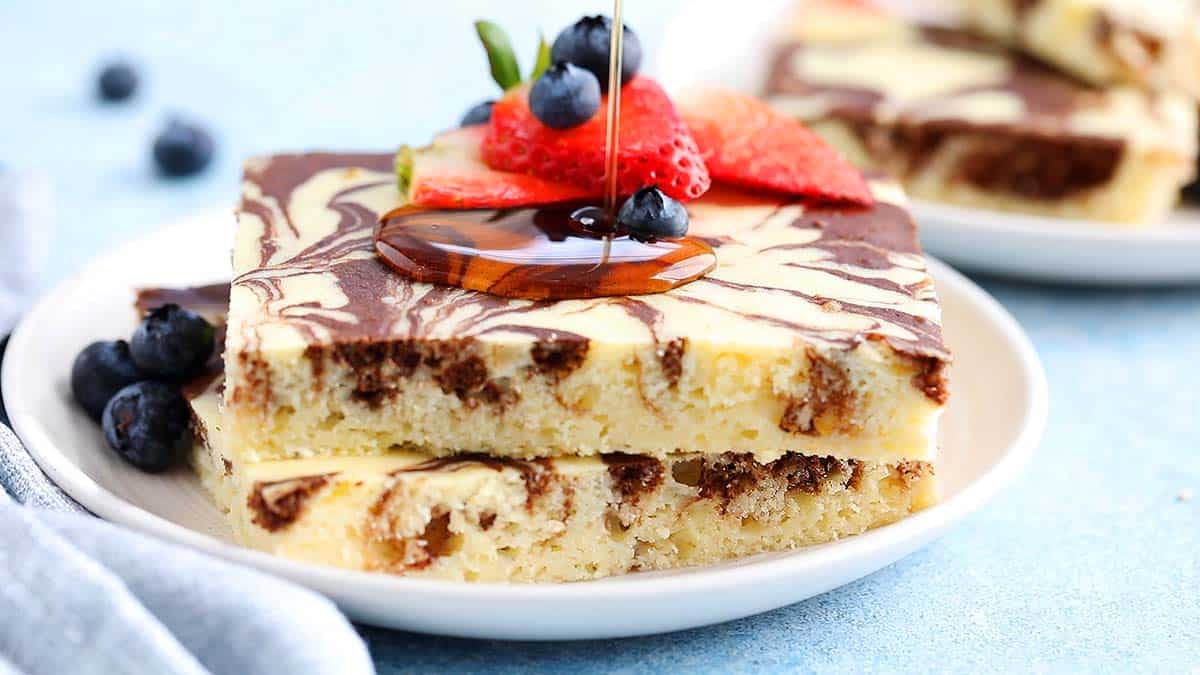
x: 594, y: 219
x: 546, y: 253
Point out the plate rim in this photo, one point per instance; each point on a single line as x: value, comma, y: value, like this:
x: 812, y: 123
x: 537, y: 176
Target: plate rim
x: 921, y: 527
x: 1071, y: 229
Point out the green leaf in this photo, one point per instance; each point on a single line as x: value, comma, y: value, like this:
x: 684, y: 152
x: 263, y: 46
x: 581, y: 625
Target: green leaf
x: 505, y: 70
x: 543, y: 58
x: 404, y: 169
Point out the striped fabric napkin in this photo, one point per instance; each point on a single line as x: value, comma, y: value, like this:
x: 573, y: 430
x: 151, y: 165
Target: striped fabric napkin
x: 80, y: 595
x: 25, y: 228
x: 84, y: 596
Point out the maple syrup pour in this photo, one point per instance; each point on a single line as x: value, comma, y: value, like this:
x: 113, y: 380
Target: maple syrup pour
x: 533, y: 253
x: 612, y: 127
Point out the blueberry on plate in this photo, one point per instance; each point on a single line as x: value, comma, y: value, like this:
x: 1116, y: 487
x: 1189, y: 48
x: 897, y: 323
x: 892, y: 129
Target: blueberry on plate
x: 586, y: 44
x: 101, y: 370
x: 172, y: 342
x: 118, y: 81
x: 649, y: 215
x: 182, y: 149
x: 148, y: 424
x: 564, y: 96
x: 480, y: 113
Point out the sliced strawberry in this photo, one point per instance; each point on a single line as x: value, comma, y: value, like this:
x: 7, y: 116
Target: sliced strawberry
x: 745, y: 142
x: 449, y: 173
x: 655, y: 147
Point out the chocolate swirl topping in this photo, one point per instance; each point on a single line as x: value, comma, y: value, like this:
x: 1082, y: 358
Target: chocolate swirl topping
x: 305, y: 266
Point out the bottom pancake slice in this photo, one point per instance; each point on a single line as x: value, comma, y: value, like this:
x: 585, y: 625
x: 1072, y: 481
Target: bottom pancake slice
x: 480, y: 518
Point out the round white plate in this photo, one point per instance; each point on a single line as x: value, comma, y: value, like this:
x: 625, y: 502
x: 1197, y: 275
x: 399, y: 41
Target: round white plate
x: 1056, y: 249
x: 994, y: 421
x: 707, y: 43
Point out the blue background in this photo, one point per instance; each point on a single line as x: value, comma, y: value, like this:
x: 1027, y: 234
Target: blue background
x: 1089, y: 562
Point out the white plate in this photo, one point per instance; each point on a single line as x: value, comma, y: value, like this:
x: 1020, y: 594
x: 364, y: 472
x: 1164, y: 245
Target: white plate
x: 706, y: 43
x: 994, y: 421
x: 1056, y: 249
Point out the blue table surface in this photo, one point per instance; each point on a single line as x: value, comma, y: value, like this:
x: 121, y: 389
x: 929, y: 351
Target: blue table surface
x: 1089, y: 562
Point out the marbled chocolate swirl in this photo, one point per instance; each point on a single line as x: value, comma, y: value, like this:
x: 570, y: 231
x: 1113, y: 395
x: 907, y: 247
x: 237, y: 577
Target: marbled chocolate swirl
x: 940, y: 75
x: 305, y: 273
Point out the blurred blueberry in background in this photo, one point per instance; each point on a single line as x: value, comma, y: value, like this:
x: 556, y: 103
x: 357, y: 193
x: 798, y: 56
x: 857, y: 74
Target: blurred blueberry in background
x: 117, y: 82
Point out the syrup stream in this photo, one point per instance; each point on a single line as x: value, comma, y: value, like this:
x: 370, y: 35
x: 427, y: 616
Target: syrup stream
x: 612, y: 126
x: 612, y: 130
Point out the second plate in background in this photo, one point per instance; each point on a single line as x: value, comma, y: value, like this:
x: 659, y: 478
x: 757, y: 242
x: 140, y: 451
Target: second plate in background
x: 713, y: 43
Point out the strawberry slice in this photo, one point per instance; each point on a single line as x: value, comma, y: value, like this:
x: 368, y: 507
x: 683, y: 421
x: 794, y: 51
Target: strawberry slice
x: 449, y: 173
x: 747, y: 143
x: 655, y: 147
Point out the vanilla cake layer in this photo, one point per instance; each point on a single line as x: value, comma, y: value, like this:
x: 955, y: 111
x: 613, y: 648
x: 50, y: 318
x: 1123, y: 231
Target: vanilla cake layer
x: 1153, y: 44
x: 964, y: 122
x: 478, y: 518
x: 819, y: 333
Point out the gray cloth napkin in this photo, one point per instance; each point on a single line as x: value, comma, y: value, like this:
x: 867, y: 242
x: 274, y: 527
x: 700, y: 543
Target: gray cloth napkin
x: 23, y: 481
x: 25, y: 227
x: 80, y: 595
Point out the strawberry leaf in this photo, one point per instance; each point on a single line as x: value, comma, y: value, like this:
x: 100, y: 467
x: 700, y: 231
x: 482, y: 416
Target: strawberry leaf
x: 404, y: 169
x: 542, y: 62
x: 503, y: 61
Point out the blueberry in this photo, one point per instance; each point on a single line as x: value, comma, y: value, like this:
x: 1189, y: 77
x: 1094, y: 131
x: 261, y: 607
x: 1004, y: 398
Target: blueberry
x: 478, y: 114
x: 117, y: 82
x: 586, y: 44
x: 564, y: 96
x: 182, y: 149
x: 100, y: 370
x: 649, y: 214
x: 172, y: 342
x: 148, y: 423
